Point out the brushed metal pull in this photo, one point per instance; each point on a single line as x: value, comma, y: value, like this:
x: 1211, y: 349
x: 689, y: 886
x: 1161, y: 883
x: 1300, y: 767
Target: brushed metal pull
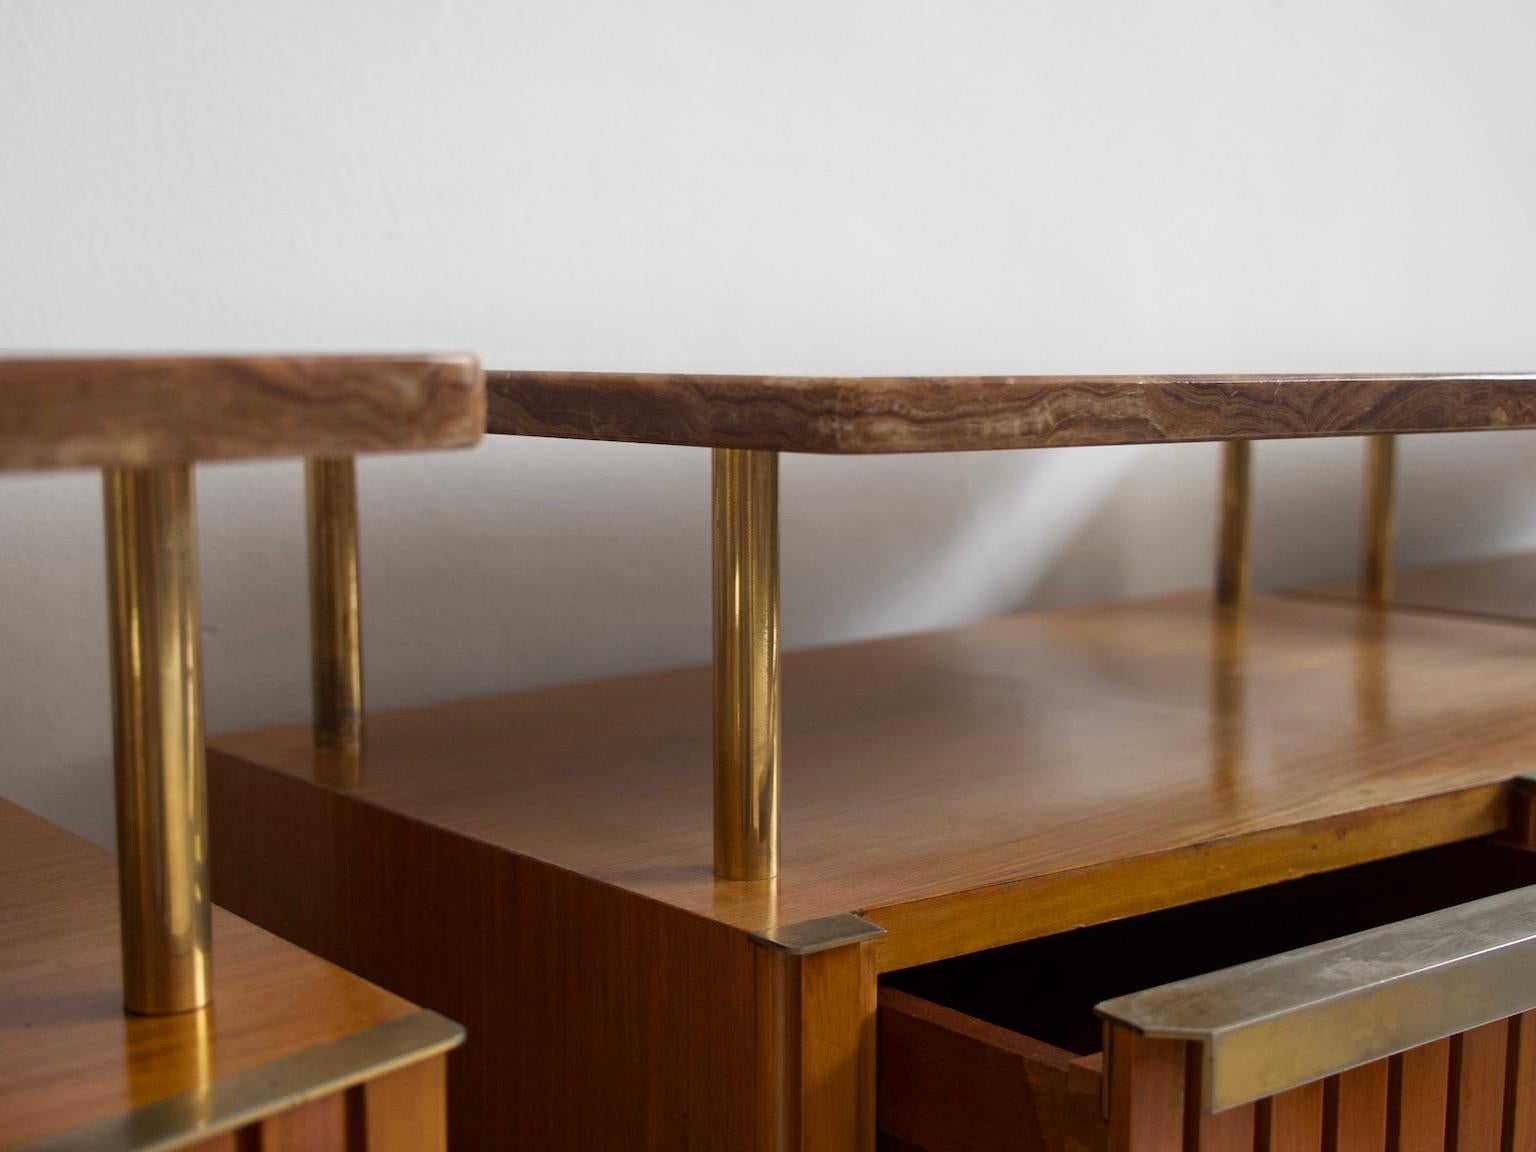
x: 1286, y: 1020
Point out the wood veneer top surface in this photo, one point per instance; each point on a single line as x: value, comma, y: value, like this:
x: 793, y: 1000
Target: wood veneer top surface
x: 70, y: 1056
x: 962, y: 413
x: 135, y: 411
x: 923, y: 768
x: 1498, y: 587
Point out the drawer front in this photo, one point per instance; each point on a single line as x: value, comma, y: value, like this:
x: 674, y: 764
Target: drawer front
x: 1417, y: 1036
x: 1472, y: 1092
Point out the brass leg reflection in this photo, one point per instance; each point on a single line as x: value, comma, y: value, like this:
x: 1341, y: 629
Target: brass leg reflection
x: 335, y: 618
x: 1229, y: 704
x: 746, y: 626
x: 1376, y: 559
x: 158, y: 738
x: 1232, y: 537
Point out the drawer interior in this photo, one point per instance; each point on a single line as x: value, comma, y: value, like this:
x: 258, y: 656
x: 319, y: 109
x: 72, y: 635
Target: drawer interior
x: 1046, y: 989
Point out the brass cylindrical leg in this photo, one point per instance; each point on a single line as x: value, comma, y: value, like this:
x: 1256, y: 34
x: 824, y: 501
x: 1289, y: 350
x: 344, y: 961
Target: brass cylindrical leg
x: 746, y: 592
x: 1376, y: 557
x: 1232, y: 538
x: 157, y: 720
x: 335, y: 618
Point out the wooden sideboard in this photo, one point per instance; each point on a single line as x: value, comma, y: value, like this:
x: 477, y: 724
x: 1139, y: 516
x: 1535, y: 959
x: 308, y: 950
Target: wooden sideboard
x: 551, y: 866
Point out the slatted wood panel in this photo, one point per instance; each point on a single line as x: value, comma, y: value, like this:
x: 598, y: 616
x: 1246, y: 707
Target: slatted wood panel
x: 400, y: 1112
x: 956, y: 1084
x: 1520, y: 1101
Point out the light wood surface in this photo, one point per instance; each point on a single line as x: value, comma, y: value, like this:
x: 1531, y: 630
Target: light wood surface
x: 961, y: 413
x: 1496, y: 587
x: 70, y: 1057
x: 967, y: 788
x: 138, y: 411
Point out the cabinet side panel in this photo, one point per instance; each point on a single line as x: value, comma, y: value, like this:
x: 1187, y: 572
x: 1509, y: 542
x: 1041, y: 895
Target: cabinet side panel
x: 595, y: 1018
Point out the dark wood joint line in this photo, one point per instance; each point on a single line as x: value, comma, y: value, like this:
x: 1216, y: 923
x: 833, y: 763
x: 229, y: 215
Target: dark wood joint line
x: 820, y: 935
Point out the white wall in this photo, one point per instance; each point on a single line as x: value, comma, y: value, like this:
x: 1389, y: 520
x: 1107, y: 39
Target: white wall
x: 786, y: 186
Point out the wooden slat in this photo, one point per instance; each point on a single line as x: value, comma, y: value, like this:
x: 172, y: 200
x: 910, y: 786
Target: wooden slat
x: 1146, y: 1093
x: 1520, y: 1099
x: 1292, y: 1121
x: 1229, y: 1131
x: 405, y: 1111
x: 961, y: 413
x: 1355, y: 1110
x: 1476, y: 1110
x: 1417, y: 1086
x: 141, y: 411
x: 319, y: 1126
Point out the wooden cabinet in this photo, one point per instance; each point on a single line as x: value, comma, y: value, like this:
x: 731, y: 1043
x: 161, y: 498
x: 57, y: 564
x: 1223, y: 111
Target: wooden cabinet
x: 664, y: 904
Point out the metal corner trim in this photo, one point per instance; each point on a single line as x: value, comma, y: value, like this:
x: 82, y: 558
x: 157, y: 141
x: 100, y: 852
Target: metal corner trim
x: 809, y: 936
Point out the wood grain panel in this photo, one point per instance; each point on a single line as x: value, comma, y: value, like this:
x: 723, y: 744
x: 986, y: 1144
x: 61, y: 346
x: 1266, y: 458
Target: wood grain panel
x: 1355, y: 1110
x: 595, y: 1018
x: 1291, y: 1121
x: 71, y: 1057
x: 1352, y: 744
x: 1475, y: 1119
x: 1146, y: 1093
x: 822, y: 1068
x: 1229, y: 1131
x: 1417, y: 1098
x: 961, y: 413
x: 138, y: 411
x: 1520, y: 1099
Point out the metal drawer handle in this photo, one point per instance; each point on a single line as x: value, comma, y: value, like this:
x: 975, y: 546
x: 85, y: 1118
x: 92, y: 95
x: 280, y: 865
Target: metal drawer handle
x: 1286, y: 1020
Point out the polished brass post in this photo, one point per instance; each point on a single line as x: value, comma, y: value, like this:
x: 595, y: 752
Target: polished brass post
x: 1376, y: 557
x: 746, y: 609
x: 157, y: 723
x: 335, y: 617
x: 1232, y: 537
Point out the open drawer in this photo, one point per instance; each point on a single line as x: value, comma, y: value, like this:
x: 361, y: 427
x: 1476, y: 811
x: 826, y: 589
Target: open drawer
x: 1379, y: 1007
